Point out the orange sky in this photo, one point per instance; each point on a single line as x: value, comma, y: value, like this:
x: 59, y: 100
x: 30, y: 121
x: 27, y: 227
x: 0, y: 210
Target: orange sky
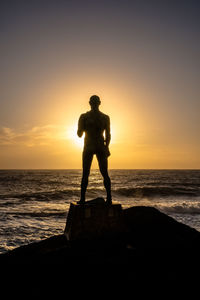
x: 141, y: 137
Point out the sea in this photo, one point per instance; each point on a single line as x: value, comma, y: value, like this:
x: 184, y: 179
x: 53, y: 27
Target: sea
x: 34, y: 203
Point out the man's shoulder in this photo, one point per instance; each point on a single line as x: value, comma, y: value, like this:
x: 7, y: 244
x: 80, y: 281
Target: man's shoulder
x: 83, y: 115
x: 104, y: 116
x: 86, y: 115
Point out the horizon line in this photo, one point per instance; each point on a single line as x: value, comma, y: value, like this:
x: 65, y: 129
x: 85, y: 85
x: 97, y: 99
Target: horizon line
x: 2, y: 169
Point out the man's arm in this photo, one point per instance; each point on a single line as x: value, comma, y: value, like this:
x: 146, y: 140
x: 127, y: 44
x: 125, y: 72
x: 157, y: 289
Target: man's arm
x: 80, y: 126
x: 107, y: 132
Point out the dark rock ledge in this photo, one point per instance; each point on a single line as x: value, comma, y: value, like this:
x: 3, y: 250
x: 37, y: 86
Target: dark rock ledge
x: 154, y: 248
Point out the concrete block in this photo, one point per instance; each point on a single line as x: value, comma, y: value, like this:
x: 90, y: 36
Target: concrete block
x: 93, y: 219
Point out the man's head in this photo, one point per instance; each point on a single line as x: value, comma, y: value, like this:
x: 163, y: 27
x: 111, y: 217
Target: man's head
x: 94, y: 101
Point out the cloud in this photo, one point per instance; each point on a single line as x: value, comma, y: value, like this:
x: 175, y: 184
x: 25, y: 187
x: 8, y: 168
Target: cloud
x: 35, y: 136
x: 6, y: 135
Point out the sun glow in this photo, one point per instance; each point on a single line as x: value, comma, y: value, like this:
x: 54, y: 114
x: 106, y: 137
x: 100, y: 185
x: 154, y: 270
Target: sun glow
x: 72, y: 136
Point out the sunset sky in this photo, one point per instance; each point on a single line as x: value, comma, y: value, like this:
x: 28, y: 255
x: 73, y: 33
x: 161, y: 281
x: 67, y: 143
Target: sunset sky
x: 140, y: 57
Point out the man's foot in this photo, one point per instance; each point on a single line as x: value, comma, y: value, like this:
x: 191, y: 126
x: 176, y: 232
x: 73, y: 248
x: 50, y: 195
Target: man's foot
x: 81, y: 202
x: 109, y: 201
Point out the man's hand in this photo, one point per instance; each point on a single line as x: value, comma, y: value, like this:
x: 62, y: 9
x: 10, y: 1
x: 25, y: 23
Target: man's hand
x: 107, y: 151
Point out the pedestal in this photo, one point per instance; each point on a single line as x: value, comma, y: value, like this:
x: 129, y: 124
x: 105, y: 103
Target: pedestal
x: 93, y: 219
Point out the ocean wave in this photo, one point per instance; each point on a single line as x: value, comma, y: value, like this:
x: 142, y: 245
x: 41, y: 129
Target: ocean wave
x: 74, y: 193
x: 39, y: 214
x: 181, y: 209
x: 141, y: 192
x: 40, y: 196
x: 66, y: 194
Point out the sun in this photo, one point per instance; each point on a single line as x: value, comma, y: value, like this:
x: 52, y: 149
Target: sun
x: 72, y: 135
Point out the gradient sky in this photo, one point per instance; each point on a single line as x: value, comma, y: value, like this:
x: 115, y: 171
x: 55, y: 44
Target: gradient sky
x: 140, y: 57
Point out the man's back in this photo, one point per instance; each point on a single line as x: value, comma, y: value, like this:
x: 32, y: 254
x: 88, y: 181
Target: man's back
x: 94, y: 123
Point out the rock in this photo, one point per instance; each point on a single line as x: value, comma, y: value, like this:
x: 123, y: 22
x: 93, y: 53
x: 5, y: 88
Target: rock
x: 150, y: 228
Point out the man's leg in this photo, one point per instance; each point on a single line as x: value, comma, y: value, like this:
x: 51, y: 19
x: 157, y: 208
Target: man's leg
x: 103, y: 166
x: 86, y: 161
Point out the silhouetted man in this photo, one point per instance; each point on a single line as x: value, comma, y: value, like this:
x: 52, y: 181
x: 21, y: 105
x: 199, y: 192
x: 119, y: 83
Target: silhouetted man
x: 94, y: 123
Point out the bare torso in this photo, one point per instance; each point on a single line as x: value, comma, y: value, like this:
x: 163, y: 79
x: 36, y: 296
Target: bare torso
x: 94, y: 124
